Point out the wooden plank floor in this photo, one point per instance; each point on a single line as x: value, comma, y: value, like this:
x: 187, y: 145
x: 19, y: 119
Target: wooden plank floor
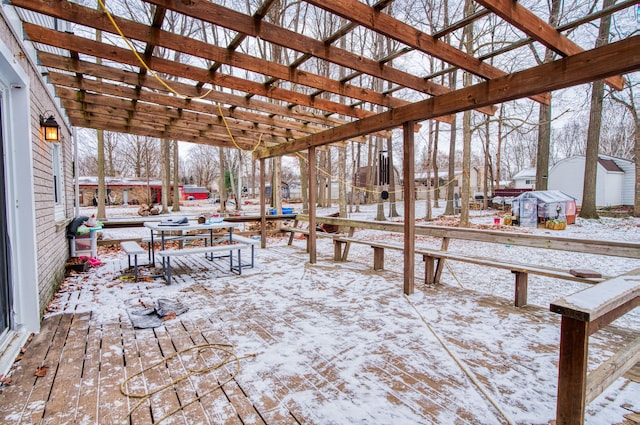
x: 311, y: 349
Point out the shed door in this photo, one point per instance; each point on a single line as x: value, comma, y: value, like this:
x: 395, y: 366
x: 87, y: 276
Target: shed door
x: 5, y: 284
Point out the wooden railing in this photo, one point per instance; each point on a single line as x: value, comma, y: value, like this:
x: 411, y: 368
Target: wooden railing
x: 612, y: 248
x: 584, y: 313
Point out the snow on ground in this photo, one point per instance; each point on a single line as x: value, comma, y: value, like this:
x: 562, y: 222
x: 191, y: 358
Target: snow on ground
x: 525, y: 392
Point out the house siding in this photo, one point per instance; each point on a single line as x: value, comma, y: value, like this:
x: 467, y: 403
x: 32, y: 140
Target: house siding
x: 51, y: 243
x: 628, y: 181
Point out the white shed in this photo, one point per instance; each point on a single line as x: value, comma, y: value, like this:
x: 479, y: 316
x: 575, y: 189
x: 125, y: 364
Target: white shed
x: 615, y: 179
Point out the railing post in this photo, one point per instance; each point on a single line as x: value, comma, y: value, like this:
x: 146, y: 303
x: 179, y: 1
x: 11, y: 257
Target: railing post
x: 572, y: 371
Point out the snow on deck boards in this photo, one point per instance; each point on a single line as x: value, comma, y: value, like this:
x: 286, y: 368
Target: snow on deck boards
x: 328, y: 343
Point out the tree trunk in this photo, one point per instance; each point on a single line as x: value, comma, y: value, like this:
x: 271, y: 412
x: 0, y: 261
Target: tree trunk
x: 393, y: 211
x: 378, y: 195
x: 304, y: 181
x: 176, y: 182
x: 544, y: 118
x: 342, y: 178
x: 588, y: 207
x: 466, y: 124
x: 222, y: 184
x: 636, y: 200
x: 544, y: 141
x: 166, y: 175
x: 465, y: 190
x: 102, y: 192
x: 434, y: 166
x: 450, y: 207
x: 427, y: 168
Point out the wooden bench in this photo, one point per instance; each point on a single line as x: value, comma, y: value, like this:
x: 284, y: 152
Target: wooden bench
x: 433, y: 270
x: 211, y: 249
x: 305, y: 232
x: 584, y: 313
x: 131, y: 248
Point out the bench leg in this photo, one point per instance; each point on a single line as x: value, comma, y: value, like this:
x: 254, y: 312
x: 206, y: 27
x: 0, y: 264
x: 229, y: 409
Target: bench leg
x: 429, y: 270
x: 168, y: 270
x: 522, y: 279
x: 295, y: 224
x: 378, y: 258
x: 337, y: 250
x: 135, y: 267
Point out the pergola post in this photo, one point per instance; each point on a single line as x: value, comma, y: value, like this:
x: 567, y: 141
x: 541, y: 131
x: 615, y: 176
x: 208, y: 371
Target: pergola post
x: 313, y: 193
x: 408, y: 167
x: 263, y: 209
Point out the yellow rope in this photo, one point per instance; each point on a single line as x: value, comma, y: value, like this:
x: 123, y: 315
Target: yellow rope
x: 142, y: 61
x: 230, y: 357
x: 224, y: 120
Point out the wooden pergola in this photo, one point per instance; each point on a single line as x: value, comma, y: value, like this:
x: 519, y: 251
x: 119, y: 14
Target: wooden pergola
x: 213, y: 90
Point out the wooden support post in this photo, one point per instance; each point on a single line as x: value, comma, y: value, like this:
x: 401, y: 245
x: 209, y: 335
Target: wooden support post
x: 408, y: 167
x: 378, y: 258
x: 522, y: 280
x: 263, y: 207
x: 429, y: 269
x: 572, y: 371
x: 313, y: 195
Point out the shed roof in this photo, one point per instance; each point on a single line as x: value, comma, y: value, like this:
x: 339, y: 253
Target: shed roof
x: 546, y: 196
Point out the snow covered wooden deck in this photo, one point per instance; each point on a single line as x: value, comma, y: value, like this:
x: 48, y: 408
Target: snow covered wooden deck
x: 329, y: 343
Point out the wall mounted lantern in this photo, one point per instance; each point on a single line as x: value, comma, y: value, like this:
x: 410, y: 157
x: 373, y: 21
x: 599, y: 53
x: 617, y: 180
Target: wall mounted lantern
x: 50, y: 128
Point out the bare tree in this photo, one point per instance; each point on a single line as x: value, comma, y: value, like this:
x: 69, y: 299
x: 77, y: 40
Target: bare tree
x: 176, y: 178
x: 544, y: 117
x: 588, y: 207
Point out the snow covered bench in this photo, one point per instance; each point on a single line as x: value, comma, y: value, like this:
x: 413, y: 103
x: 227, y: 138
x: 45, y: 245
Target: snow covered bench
x: 433, y: 270
x: 584, y: 313
x: 211, y: 249
x: 131, y: 248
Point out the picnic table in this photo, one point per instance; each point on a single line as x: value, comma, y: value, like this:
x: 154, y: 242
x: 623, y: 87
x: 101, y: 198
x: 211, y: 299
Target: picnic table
x: 166, y: 231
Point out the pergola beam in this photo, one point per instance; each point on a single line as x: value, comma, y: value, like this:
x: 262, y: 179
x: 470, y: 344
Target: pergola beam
x: 539, y: 30
x: 613, y: 59
x: 404, y: 33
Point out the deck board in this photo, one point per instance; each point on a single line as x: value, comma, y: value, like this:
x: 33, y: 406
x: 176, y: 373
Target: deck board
x: 324, y: 352
x: 64, y: 396
x: 86, y: 411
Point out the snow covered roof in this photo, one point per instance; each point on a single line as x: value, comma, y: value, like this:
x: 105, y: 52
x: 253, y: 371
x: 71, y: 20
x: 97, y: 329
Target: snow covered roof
x: 525, y: 174
x: 546, y: 196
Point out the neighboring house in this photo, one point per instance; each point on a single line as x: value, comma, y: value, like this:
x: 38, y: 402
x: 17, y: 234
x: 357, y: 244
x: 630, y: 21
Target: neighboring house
x: 190, y: 192
x: 615, y: 179
x: 36, y: 203
x: 422, y: 180
x: 124, y: 191
x: 525, y: 179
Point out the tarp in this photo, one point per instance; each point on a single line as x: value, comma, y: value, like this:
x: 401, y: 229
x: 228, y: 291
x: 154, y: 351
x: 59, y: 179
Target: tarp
x: 143, y: 317
x: 536, y: 206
